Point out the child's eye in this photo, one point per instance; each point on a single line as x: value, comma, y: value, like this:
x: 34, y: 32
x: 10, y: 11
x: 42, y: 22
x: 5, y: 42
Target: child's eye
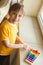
x: 20, y: 15
x: 14, y: 13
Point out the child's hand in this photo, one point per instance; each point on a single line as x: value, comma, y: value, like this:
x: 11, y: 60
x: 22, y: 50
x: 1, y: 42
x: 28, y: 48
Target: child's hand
x: 26, y: 46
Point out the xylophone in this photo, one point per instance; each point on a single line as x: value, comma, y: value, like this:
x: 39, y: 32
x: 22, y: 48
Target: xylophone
x: 31, y: 56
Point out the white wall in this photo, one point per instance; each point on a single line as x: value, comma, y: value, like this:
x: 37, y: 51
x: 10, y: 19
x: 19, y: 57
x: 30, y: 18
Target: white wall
x: 13, y: 1
x: 31, y: 7
x: 40, y: 18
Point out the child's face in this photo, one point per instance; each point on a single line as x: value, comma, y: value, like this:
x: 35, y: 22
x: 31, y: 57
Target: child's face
x: 15, y: 16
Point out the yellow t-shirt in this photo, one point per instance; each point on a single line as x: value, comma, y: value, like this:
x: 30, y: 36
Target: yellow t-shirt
x: 7, y: 31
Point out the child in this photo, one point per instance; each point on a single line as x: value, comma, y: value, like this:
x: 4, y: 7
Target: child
x: 8, y: 33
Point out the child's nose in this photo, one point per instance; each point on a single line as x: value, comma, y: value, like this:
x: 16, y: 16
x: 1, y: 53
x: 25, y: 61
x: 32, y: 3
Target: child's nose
x: 17, y: 17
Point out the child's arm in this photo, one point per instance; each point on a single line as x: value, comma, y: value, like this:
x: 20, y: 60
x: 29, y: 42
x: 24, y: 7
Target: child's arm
x: 9, y: 45
x: 26, y: 46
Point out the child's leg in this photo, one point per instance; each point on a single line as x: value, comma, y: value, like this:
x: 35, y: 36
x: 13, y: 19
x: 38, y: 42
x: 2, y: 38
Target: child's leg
x: 5, y: 60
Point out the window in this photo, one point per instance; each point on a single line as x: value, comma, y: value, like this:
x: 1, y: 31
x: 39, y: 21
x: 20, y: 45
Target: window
x: 41, y: 13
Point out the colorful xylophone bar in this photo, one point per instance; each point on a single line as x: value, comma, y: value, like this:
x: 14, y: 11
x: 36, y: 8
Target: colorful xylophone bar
x: 31, y: 56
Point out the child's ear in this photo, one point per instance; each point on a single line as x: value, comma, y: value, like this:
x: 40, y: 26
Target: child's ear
x: 7, y: 16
